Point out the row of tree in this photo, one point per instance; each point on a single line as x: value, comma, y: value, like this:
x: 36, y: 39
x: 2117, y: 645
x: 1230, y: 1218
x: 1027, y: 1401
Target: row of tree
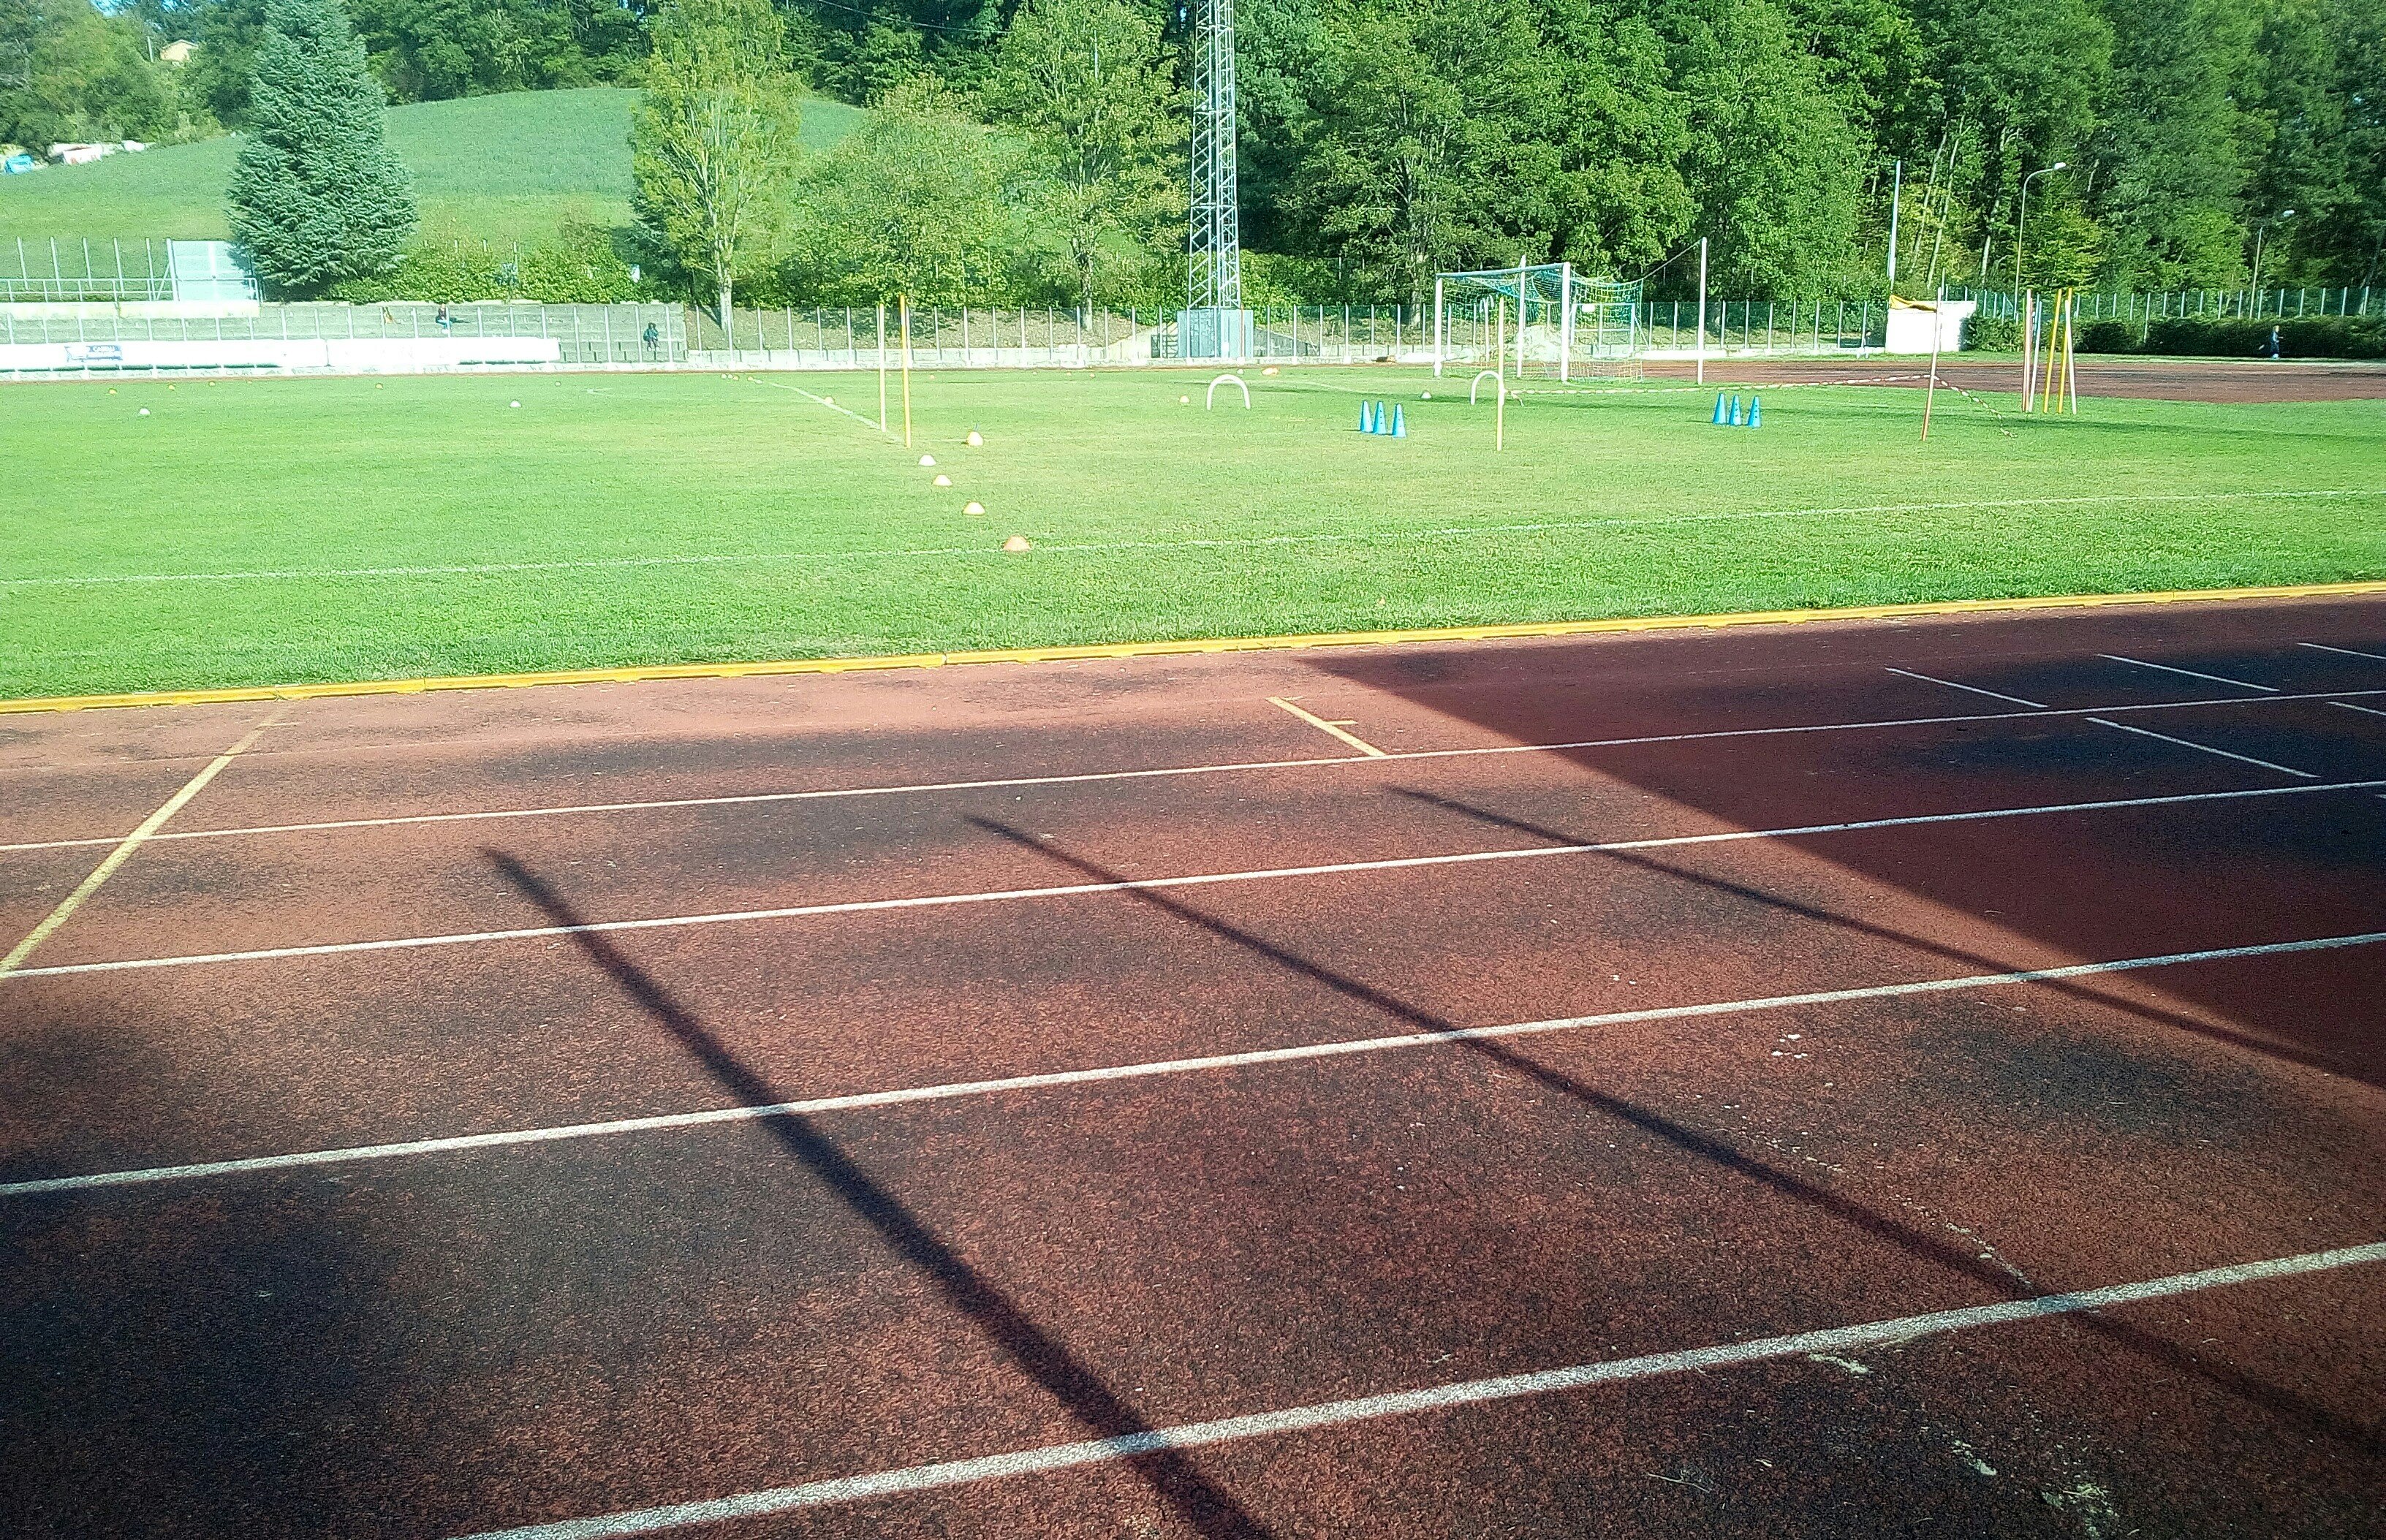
x: 1032, y: 148
x: 2153, y: 144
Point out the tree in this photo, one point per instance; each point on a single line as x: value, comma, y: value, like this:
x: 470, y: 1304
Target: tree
x: 2181, y: 148
x: 712, y: 144
x: 915, y: 202
x: 1772, y: 167
x: 317, y: 197
x: 68, y: 72
x: 1088, y: 83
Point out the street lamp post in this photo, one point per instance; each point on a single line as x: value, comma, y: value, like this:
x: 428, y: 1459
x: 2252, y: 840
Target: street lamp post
x: 2259, y: 225
x: 2021, y: 218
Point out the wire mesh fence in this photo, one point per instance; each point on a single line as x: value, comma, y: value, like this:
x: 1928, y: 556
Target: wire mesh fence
x: 397, y: 337
x: 2264, y: 304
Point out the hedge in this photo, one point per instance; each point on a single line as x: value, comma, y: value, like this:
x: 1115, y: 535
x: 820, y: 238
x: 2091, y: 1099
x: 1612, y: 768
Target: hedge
x: 2312, y: 337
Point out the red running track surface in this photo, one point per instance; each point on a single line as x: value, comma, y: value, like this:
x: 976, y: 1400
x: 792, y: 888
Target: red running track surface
x: 1363, y: 1189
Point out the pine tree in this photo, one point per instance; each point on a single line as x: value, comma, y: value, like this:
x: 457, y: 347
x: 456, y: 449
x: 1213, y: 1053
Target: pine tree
x: 317, y: 197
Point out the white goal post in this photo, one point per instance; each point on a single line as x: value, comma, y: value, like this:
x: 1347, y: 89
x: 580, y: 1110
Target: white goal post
x: 1537, y: 319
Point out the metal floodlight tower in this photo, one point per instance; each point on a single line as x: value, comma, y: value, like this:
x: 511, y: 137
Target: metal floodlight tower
x: 1215, y: 326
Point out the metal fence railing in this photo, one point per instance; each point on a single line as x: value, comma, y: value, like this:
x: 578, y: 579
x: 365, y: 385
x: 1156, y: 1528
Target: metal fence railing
x: 98, y: 341
x: 2264, y: 304
x: 118, y: 272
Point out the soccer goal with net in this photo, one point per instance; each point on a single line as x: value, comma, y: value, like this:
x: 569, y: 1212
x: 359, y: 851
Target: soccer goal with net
x: 1538, y: 320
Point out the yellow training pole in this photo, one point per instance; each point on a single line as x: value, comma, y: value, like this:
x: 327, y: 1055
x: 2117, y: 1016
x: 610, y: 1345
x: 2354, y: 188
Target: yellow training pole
x: 882, y: 366
x: 903, y: 307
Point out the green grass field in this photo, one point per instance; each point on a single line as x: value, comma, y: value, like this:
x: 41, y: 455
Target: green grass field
x: 266, y: 532
x: 505, y: 169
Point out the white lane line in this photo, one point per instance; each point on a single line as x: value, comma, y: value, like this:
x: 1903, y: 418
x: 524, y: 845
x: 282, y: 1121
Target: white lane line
x: 1992, y: 695
x: 352, y: 1154
x: 2190, y: 673
x: 2365, y: 710
x: 1840, y: 1340
x: 14, y: 962
x: 2322, y: 646
x: 1245, y: 766
x: 1146, y: 884
x: 874, y: 426
x: 2205, y: 748
x: 1227, y: 542
x: 1337, y: 729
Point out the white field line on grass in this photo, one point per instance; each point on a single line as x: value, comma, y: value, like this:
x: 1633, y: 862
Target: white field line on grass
x: 1090, y: 777
x: 1154, y: 1069
x: 1154, y: 885
x: 1455, y: 532
x: 870, y: 423
x: 1837, y: 1340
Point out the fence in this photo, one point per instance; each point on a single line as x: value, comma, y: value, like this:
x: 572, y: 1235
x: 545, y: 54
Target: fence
x: 970, y: 336
x: 74, y: 271
x: 397, y: 337
x: 2199, y: 303
x: 1012, y: 337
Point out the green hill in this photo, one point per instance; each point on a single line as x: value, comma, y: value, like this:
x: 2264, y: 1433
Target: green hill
x: 505, y: 168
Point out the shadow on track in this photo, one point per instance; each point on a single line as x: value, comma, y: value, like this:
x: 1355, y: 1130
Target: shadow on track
x: 2071, y: 987
x: 1207, y: 1509
x: 1708, y: 1147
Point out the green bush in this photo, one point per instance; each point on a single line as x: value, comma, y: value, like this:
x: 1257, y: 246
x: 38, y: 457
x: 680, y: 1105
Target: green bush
x: 1993, y: 333
x: 581, y: 264
x: 2110, y: 336
x: 2312, y: 337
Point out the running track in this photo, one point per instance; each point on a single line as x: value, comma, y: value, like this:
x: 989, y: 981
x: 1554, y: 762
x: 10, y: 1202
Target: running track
x: 361, y: 1174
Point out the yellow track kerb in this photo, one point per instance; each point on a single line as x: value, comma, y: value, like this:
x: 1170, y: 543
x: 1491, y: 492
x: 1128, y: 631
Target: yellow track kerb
x: 1170, y: 649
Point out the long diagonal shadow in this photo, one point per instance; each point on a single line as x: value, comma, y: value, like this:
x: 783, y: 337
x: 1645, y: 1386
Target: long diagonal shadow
x: 1207, y: 1508
x: 1707, y: 1146
x: 2076, y: 989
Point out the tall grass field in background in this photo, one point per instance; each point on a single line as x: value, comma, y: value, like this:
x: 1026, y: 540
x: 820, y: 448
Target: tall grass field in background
x: 502, y: 169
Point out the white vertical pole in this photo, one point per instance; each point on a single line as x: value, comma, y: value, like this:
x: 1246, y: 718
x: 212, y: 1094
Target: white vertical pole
x: 1896, y: 188
x: 1703, y: 309
x: 2028, y: 348
x: 1438, y: 333
x: 1520, y: 319
x: 882, y: 366
x: 1565, y: 322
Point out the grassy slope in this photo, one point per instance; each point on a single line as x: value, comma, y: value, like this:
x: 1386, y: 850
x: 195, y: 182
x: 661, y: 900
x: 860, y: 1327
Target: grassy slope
x: 503, y: 167
x: 1643, y: 508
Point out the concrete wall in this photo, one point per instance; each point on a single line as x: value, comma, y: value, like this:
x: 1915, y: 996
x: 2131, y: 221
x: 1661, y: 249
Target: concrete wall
x: 363, y: 355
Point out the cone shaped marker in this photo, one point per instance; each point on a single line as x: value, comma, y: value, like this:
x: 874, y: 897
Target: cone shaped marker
x: 1736, y: 419
x: 1718, y: 417
x: 1755, y: 411
x: 1362, y: 418
x: 1400, y: 422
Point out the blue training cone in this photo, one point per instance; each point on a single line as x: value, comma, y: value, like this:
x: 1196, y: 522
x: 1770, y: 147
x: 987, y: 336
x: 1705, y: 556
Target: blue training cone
x: 1736, y: 419
x: 1364, y: 426
x: 1718, y: 417
x: 1379, y: 418
x: 1755, y: 412
x: 1400, y: 422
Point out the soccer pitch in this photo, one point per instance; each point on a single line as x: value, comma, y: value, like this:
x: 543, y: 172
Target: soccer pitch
x: 266, y: 532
